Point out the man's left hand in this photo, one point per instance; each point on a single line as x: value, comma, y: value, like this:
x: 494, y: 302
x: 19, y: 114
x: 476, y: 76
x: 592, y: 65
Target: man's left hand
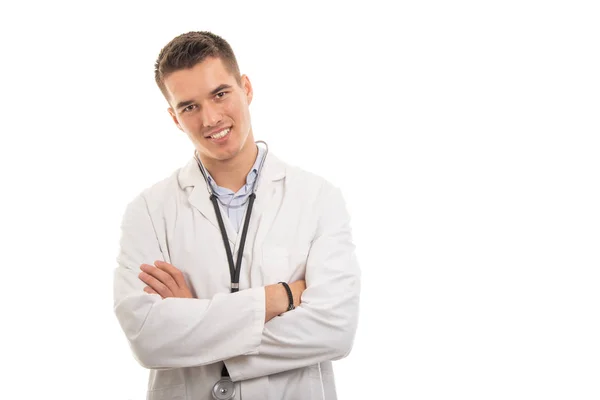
x: 165, y: 280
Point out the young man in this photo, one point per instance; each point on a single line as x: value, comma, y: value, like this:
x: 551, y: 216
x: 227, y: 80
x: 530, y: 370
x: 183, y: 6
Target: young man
x: 210, y: 324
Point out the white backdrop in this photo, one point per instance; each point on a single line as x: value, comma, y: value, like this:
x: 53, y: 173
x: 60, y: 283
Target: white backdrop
x: 464, y: 136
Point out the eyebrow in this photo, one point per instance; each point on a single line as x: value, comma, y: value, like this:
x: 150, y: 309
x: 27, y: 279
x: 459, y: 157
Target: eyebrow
x: 218, y: 89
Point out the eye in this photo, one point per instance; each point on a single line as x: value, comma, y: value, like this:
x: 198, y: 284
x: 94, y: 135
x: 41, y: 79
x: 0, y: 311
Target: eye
x: 189, y: 108
x: 220, y: 95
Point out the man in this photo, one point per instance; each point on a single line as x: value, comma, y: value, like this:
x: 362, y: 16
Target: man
x: 210, y: 324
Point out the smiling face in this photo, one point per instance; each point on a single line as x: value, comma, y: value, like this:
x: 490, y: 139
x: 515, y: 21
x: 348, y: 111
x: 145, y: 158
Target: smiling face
x: 212, y: 108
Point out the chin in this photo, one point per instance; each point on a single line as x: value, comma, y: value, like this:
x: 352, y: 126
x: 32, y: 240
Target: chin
x: 225, y: 154
x: 222, y: 152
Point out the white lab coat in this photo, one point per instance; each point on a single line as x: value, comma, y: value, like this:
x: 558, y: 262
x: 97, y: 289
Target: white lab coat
x: 299, y: 229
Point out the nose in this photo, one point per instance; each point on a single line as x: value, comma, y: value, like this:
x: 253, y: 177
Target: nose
x: 211, y: 115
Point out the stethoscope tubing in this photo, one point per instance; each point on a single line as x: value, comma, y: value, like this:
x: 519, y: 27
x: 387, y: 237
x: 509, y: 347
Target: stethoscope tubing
x: 254, y: 185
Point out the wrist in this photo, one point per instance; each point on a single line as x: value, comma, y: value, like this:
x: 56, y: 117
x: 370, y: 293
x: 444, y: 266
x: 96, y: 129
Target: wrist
x: 290, y: 296
x: 276, y: 301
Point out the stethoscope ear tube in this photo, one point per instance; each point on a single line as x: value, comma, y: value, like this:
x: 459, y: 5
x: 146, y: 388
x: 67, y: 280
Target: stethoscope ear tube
x: 254, y: 185
x: 262, y: 163
x: 203, y: 171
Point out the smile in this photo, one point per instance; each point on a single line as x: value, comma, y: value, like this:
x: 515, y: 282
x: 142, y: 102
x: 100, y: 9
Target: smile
x: 221, y: 134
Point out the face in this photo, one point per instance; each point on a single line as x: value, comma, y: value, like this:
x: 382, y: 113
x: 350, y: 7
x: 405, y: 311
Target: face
x: 207, y: 103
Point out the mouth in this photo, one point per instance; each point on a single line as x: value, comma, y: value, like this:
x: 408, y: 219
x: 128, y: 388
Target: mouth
x: 221, y: 135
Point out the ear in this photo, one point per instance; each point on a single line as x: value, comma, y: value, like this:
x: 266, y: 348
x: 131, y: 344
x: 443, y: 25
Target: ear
x: 247, y: 86
x: 174, y: 117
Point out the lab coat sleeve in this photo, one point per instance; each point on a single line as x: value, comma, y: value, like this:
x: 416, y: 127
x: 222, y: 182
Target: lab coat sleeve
x: 176, y: 332
x: 323, y: 326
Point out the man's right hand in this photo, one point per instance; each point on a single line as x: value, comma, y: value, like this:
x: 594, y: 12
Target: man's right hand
x: 276, y: 298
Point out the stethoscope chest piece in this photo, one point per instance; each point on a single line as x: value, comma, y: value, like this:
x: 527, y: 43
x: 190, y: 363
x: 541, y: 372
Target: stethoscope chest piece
x: 223, y: 389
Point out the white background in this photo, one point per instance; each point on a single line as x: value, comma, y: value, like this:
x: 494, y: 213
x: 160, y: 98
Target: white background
x: 464, y: 136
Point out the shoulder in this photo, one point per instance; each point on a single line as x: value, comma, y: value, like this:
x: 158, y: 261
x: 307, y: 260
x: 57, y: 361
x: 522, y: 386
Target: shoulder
x: 308, y: 183
x: 159, y: 194
x: 314, y: 196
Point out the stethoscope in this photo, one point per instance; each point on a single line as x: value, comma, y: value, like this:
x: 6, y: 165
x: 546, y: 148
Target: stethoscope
x: 224, y: 389
x: 205, y: 174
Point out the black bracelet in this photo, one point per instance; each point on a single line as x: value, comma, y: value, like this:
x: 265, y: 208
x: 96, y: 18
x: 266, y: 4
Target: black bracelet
x: 290, y: 297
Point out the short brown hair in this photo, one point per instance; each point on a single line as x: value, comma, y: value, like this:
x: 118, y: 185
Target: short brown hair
x: 189, y: 49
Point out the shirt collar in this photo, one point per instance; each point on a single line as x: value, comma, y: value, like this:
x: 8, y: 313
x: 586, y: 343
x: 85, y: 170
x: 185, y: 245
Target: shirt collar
x: 250, y: 178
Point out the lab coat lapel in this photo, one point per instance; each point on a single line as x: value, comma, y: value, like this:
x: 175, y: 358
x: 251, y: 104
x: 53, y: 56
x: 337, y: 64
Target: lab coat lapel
x: 269, y: 195
x: 191, y: 180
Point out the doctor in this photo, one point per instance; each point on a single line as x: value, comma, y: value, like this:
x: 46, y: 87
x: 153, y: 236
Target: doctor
x: 236, y: 276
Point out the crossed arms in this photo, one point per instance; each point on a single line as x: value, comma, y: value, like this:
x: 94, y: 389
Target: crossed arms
x: 174, y: 330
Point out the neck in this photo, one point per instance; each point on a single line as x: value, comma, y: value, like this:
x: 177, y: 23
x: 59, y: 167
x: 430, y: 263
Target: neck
x: 232, y: 173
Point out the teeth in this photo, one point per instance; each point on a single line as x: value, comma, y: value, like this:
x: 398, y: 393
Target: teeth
x: 221, y: 134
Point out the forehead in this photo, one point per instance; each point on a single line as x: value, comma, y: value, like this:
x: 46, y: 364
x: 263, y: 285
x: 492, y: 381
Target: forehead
x: 197, y: 81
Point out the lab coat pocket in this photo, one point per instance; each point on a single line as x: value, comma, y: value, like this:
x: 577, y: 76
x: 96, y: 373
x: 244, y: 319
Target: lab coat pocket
x: 275, y: 264
x: 168, y: 393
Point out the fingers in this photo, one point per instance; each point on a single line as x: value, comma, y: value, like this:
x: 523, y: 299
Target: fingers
x: 163, y: 276
x: 149, y: 290
x: 299, y: 284
x: 298, y: 287
x: 165, y: 280
x: 176, y: 274
x: 157, y: 280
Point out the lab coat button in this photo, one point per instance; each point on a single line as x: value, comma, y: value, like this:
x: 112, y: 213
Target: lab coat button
x: 223, y: 390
